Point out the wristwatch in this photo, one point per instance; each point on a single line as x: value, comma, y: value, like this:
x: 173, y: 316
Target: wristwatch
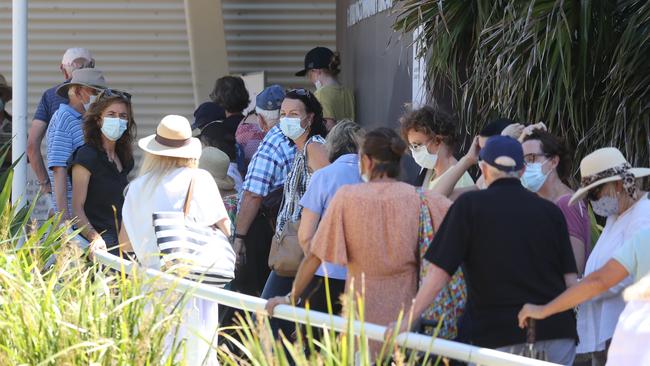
x: 288, y: 299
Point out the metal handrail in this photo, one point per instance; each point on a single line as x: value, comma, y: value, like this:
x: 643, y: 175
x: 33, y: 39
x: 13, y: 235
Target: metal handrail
x: 419, y: 342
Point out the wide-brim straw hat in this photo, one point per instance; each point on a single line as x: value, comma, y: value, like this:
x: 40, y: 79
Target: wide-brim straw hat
x: 217, y: 162
x: 173, y: 138
x: 603, y: 166
x: 5, y: 89
x: 91, y: 78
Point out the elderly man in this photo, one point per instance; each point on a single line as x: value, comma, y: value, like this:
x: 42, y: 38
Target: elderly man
x: 514, y: 247
x: 65, y: 133
x: 260, y: 201
x: 267, y: 107
x: 73, y: 59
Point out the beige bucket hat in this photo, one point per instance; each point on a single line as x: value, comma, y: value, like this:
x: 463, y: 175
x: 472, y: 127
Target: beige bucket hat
x: 91, y: 78
x: 173, y: 138
x: 606, y: 165
x: 216, y: 162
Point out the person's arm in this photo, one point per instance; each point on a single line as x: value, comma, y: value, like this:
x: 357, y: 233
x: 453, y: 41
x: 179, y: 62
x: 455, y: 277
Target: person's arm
x: 248, y: 209
x: 80, y: 180
x: 308, y: 224
x: 594, y: 284
x: 447, y: 181
x: 317, y: 156
x: 570, y: 279
x: 435, y: 280
x: 61, y: 190
x: 305, y: 274
x: 224, y: 225
x: 578, y: 247
x: 34, y: 139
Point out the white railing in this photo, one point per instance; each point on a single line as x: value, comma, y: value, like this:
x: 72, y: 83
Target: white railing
x: 443, y: 347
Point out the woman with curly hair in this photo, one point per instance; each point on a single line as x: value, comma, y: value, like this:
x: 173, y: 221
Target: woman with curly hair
x: 99, y: 168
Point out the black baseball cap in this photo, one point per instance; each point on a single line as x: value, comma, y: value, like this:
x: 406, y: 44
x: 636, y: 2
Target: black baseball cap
x: 317, y: 58
x: 503, y: 153
x: 206, y: 113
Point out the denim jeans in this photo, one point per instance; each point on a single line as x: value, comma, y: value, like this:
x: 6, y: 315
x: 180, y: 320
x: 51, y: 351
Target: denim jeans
x: 277, y: 285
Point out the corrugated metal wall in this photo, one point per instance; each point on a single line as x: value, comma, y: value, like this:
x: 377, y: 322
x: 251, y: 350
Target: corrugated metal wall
x: 273, y: 36
x: 141, y: 45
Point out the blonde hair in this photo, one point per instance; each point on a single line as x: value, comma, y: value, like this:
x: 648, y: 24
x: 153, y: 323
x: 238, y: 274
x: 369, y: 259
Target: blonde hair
x: 156, y: 167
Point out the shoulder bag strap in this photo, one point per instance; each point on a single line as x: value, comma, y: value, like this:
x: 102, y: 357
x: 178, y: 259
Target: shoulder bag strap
x: 188, y: 198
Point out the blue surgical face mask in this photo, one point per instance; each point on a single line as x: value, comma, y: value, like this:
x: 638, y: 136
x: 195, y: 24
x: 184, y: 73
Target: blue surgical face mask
x: 291, y: 127
x: 113, y: 128
x: 534, y: 178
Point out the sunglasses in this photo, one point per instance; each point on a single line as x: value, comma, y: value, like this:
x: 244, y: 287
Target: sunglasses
x: 109, y: 93
x: 594, y: 193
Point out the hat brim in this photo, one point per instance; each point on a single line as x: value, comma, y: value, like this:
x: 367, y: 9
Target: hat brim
x: 302, y: 72
x: 582, y: 192
x: 189, y: 151
x: 62, y: 90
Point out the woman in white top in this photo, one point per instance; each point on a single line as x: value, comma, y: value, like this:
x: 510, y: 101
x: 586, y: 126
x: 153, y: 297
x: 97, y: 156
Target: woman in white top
x: 170, y: 164
x: 613, y: 187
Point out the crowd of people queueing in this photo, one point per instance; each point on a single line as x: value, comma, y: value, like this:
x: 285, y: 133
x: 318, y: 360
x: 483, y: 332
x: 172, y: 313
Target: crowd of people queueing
x: 314, y: 206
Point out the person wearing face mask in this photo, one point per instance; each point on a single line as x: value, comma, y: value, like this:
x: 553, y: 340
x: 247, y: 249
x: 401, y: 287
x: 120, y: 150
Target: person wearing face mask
x: 548, y: 165
x: 65, y: 133
x: 613, y: 188
x: 99, y: 168
x: 321, y: 68
x: 372, y: 227
x: 301, y: 120
x: 431, y: 135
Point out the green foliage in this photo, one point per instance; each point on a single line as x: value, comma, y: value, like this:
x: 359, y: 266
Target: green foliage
x: 581, y: 66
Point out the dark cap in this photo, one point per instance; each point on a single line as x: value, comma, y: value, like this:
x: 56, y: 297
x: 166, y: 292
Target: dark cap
x: 503, y: 153
x: 206, y: 113
x: 317, y: 58
x: 270, y: 99
x: 495, y: 127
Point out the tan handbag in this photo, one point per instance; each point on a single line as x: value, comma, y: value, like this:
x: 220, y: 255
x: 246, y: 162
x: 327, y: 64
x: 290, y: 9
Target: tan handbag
x: 286, y: 253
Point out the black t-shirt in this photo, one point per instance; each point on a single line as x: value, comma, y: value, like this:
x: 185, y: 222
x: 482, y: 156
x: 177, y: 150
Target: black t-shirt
x: 515, y: 249
x: 105, y: 188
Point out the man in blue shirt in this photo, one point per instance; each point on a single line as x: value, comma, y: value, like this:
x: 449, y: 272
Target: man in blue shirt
x: 65, y: 133
x: 261, y: 195
x: 73, y: 59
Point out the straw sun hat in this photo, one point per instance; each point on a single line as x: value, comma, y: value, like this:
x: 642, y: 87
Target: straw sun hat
x: 603, y: 166
x: 173, y: 138
x: 216, y: 162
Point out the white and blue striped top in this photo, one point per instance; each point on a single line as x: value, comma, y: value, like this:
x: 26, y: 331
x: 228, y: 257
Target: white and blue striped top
x: 64, y: 136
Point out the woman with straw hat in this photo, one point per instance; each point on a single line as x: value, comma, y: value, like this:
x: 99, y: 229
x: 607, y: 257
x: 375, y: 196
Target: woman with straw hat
x: 170, y: 164
x: 614, y: 188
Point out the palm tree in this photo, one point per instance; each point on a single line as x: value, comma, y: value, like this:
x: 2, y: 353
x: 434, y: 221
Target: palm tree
x: 581, y: 66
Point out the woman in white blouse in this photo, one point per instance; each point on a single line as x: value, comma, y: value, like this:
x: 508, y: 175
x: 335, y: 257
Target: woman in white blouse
x: 171, y: 162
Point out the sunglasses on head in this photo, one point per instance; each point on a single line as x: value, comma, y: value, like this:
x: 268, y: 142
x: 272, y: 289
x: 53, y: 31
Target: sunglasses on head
x: 301, y: 92
x: 109, y: 93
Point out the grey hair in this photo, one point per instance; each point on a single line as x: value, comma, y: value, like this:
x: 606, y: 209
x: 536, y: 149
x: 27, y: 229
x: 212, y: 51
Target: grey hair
x: 344, y: 138
x: 78, y: 63
x: 498, y: 173
x: 268, y: 115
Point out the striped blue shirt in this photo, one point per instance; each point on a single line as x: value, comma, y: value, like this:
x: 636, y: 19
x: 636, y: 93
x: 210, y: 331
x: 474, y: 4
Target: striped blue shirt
x: 64, y: 136
x: 271, y: 164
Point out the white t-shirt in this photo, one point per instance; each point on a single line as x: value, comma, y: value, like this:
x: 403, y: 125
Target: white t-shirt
x: 597, y: 318
x: 200, y: 317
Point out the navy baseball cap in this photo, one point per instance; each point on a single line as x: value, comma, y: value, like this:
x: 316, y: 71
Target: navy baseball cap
x: 503, y: 153
x: 317, y: 58
x: 270, y: 99
x: 206, y: 113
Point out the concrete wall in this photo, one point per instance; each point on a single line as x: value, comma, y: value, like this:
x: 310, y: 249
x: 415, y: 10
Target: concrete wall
x: 376, y: 63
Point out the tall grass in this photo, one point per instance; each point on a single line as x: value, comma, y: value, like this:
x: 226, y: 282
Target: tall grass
x: 73, y: 312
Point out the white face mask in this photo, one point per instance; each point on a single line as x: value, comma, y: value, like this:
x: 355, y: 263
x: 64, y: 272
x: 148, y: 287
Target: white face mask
x: 605, y: 206
x: 91, y: 100
x: 291, y: 127
x: 534, y: 178
x: 318, y: 84
x: 423, y: 157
